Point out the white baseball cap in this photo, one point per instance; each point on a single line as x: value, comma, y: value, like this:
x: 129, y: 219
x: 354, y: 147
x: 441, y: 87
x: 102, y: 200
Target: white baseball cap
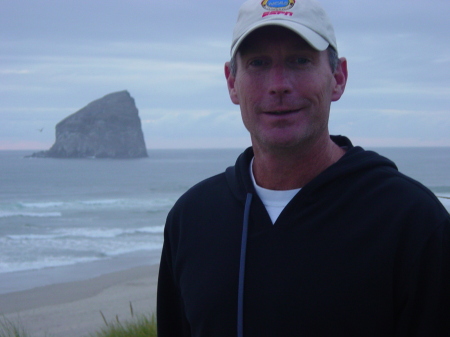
x: 307, y: 18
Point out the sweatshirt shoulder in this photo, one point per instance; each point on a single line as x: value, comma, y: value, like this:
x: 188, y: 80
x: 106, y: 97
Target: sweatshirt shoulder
x: 380, y: 178
x: 206, y: 188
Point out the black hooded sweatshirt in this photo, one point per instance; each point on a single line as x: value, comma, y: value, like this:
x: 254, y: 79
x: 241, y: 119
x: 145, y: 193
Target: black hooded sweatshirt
x: 362, y: 250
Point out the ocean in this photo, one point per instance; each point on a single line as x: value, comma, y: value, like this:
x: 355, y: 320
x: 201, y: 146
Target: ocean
x: 63, y: 220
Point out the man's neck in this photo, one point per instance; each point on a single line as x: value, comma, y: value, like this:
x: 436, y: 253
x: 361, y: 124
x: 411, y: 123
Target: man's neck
x: 285, y: 170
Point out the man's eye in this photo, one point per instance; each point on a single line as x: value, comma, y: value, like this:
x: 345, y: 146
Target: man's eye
x: 301, y: 60
x: 257, y: 63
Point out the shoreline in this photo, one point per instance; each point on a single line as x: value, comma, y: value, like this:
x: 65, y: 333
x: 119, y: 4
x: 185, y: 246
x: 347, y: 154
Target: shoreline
x: 28, y: 279
x: 72, y: 309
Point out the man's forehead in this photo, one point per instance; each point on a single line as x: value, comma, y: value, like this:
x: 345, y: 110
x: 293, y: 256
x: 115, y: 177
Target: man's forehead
x: 264, y: 36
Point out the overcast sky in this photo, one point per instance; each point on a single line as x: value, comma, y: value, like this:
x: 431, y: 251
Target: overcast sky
x: 56, y: 56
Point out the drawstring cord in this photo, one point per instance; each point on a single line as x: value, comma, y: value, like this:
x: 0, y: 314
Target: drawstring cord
x: 240, y: 318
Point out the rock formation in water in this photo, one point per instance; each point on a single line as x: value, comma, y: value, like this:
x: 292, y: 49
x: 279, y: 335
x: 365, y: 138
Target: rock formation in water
x: 109, y: 127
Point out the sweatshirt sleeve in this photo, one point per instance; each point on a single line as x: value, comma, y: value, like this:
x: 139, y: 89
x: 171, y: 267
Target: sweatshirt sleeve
x: 424, y: 307
x: 171, y: 318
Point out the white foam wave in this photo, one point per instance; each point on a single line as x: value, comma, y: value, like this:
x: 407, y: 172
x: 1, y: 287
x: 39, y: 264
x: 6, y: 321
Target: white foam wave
x: 45, y: 262
x: 143, y: 246
x: 87, y: 233
x: 153, y: 230
x: 31, y: 237
x: 102, y: 202
x: 6, y: 214
x: 41, y: 205
x: 108, y: 233
x: 70, y: 246
x: 145, y: 204
x: 91, y: 232
x: 155, y: 204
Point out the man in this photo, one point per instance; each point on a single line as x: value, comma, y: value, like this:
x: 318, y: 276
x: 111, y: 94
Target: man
x: 306, y: 235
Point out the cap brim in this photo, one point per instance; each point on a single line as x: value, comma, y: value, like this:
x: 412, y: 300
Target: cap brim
x: 315, y: 40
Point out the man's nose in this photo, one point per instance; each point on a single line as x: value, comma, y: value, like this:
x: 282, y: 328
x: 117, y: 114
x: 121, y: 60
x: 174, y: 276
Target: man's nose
x: 279, y: 81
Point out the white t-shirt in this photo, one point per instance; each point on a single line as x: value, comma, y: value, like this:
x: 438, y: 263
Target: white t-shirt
x: 274, y: 201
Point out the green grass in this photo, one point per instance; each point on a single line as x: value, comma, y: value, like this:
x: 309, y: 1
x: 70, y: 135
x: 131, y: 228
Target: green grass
x: 138, y: 326
x: 11, y: 329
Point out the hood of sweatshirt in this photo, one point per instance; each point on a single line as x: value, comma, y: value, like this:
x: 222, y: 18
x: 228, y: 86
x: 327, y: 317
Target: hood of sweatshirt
x: 355, y: 159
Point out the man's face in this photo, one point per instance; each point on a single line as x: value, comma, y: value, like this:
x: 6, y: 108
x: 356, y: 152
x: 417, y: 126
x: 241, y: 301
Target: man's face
x: 284, y: 88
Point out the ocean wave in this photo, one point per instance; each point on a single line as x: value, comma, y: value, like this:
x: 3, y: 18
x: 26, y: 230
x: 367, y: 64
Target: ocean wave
x: 108, y: 232
x: 105, y: 202
x: 31, y: 237
x: 151, y: 204
x: 45, y: 262
x: 92, y: 232
x: 41, y: 261
x: 153, y: 229
x: 37, y: 251
x: 57, y: 208
x: 6, y: 214
x: 41, y: 205
x: 88, y: 233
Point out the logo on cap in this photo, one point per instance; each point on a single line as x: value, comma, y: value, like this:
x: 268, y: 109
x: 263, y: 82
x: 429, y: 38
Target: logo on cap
x: 278, y: 4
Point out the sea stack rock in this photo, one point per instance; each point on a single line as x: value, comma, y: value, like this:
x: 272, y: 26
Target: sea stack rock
x: 109, y: 127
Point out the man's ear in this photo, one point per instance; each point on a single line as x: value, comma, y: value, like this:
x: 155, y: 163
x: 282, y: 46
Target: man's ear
x: 231, y: 80
x: 340, y: 76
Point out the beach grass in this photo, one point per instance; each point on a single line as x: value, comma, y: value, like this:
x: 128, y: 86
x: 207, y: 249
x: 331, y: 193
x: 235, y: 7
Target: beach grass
x: 139, y: 326
x: 11, y: 329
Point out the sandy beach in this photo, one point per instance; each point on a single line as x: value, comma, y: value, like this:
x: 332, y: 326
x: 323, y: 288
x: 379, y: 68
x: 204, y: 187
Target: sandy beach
x: 73, y: 309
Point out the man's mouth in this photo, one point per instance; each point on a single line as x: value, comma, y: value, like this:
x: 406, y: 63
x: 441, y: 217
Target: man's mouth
x: 281, y: 112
